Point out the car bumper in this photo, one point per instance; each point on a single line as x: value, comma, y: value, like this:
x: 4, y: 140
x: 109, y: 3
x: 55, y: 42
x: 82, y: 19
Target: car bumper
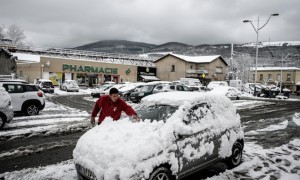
x: 48, y: 89
x: 73, y: 89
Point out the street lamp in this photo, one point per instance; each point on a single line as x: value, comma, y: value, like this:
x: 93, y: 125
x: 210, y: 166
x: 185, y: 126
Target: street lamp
x: 257, y: 32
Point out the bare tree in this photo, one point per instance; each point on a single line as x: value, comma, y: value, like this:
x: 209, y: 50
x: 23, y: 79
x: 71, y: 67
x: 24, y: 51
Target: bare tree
x: 16, y: 34
x: 2, y: 33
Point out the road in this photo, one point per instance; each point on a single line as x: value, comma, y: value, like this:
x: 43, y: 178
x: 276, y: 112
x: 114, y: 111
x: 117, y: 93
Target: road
x: 54, y: 148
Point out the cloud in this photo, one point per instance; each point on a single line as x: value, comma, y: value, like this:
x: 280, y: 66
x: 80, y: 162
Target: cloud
x: 70, y: 23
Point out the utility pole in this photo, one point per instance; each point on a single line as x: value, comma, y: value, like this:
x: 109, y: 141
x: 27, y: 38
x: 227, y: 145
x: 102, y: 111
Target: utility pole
x: 230, y: 64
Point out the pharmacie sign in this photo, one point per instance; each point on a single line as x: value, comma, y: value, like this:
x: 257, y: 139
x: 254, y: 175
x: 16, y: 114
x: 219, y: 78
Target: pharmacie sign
x: 91, y: 69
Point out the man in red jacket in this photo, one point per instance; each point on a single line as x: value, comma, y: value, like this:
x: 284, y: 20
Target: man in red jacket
x: 112, y: 106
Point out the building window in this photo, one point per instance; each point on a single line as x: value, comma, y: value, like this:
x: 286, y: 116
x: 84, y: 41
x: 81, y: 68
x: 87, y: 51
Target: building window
x: 269, y: 76
x: 218, y: 70
x: 261, y: 77
x: 288, y: 77
x: 278, y: 77
x: 173, y: 68
x: 253, y: 77
x: 191, y: 66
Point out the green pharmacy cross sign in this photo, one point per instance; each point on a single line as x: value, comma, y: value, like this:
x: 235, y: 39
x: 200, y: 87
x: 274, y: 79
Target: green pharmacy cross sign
x: 91, y: 69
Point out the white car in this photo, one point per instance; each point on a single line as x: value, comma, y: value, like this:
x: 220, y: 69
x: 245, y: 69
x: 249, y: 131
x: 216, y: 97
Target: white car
x: 6, y: 109
x: 25, y: 98
x: 214, y: 84
x: 230, y: 92
x: 176, y: 138
x: 70, y: 85
x: 97, y: 92
x: 170, y: 87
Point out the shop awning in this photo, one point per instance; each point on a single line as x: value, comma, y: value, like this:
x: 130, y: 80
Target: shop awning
x: 152, y: 78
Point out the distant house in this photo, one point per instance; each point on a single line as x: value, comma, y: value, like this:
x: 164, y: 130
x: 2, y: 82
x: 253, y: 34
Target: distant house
x: 8, y: 62
x: 272, y: 75
x: 172, y: 67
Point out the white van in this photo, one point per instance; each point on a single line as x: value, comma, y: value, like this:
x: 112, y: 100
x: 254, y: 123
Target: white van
x: 190, y: 81
x: 236, y: 83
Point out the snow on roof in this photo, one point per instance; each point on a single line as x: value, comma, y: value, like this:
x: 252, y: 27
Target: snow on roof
x: 197, y: 59
x: 275, y: 68
x: 149, y: 77
x: 27, y: 57
x: 179, y: 98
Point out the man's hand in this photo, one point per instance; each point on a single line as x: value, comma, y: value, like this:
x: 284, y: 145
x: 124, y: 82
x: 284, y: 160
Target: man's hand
x: 136, y: 118
x: 93, y: 121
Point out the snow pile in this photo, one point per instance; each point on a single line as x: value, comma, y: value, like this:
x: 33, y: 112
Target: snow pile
x: 274, y: 127
x: 296, y: 119
x: 4, y: 97
x: 258, y: 163
x: 124, y: 149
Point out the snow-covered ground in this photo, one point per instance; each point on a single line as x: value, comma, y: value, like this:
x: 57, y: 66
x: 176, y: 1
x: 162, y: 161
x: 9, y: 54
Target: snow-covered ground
x: 258, y: 163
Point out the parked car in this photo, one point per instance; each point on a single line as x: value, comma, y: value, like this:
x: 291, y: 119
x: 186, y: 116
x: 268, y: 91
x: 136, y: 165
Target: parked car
x: 170, y: 87
x: 231, y: 92
x: 249, y: 87
x: 26, y: 98
x: 6, y: 109
x: 142, y: 92
x: 125, y: 91
x: 45, y: 85
x: 199, y: 88
x: 176, y: 138
x: 96, y: 92
x: 70, y: 85
x: 214, y: 84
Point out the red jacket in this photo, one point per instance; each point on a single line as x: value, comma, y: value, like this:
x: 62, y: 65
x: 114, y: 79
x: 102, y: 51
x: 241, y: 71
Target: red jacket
x: 110, y: 108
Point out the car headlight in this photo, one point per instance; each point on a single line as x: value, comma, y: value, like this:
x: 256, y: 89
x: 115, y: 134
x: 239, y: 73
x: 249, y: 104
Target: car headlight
x: 141, y: 94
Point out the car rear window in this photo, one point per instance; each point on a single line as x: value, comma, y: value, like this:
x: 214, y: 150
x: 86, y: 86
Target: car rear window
x: 47, y: 83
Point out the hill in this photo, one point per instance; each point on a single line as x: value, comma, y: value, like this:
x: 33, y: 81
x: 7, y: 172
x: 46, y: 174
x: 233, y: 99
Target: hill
x: 270, y: 53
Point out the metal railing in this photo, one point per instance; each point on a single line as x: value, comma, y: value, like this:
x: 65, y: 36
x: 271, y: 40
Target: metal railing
x: 138, y: 60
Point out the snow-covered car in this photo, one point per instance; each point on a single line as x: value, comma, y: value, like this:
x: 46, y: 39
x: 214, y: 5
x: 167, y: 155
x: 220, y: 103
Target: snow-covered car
x: 176, y: 137
x: 230, y: 92
x: 6, y: 109
x: 70, y: 85
x: 26, y: 98
x: 96, y: 92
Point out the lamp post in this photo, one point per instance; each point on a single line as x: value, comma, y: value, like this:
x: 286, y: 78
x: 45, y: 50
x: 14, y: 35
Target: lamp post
x: 257, y: 32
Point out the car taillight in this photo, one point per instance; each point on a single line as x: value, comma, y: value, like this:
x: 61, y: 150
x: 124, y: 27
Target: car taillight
x: 40, y: 94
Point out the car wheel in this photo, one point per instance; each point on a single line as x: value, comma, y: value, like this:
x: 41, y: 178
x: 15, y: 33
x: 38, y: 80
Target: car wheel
x: 161, y: 173
x: 2, y: 120
x: 236, y: 158
x: 31, y: 110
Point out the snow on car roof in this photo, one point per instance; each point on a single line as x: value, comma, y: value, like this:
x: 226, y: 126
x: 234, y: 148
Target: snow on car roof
x: 178, y: 98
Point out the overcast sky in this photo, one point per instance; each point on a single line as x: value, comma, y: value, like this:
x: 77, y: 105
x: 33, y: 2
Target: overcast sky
x: 71, y: 23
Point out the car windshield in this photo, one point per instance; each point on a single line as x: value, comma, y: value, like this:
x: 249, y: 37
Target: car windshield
x: 156, y: 112
x: 146, y: 88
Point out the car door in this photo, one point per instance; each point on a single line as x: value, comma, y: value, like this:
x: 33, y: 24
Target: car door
x: 198, y: 149
x: 17, y: 94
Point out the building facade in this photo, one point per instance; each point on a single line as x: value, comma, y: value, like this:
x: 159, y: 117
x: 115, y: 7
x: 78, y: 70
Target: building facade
x: 272, y: 75
x: 85, y: 72
x: 172, y: 67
